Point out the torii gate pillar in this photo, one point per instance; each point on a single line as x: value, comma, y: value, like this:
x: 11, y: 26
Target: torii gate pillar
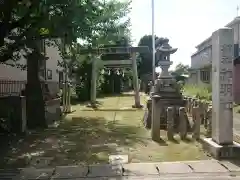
x: 135, y: 82
x: 94, y: 83
x: 117, y: 50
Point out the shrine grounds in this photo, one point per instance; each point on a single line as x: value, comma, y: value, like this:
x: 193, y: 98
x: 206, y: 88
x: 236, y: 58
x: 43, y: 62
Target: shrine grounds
x: 89, y: 136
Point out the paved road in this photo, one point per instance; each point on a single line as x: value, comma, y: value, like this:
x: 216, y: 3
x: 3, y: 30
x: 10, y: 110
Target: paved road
x: 190, y: 170
x: 236, y: 123
x: 214, y: 177
x: 187, y: 177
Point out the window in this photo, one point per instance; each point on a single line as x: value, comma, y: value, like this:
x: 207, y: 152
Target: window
x: 49, y: 74
x: 205, y: 76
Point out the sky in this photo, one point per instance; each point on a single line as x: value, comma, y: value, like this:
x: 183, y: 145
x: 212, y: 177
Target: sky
x: 185, y: 22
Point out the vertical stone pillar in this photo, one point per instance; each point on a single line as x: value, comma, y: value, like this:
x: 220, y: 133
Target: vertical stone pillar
x: 200, y: 104
x: 148, y: 114
x: 197, y: 122
x: 68, y: 98
x: 222, y: 89
x: 186, y: 103
x: 94, y: 82
x: 191, y: 106
x: 64, y: 95
x: 205, y: 109
x: 135, y: 82
x: 156, y: 114
x: 183, y: 126
x: 24, y: 115
x: 170, y: 123
x: 209, y: 122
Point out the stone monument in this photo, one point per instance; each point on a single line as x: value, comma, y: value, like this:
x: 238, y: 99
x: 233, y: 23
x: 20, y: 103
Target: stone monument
x: 165, y: 93
x: 221, y: 144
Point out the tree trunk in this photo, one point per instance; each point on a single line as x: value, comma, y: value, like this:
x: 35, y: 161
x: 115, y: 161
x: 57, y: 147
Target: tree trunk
x: 34, y: 93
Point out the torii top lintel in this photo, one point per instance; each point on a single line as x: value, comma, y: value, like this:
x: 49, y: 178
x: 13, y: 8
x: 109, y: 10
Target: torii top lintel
x: 115, y: 50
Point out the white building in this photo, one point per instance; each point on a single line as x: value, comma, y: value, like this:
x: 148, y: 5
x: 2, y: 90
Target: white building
x: 13, y: 79
x: 201, y: 60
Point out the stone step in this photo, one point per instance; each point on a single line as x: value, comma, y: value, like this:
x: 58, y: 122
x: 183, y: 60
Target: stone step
x: 171, y: 170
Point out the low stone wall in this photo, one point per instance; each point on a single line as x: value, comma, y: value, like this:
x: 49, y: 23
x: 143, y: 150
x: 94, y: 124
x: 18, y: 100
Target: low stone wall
x: 204, y: 109
x: 13, y: 113
x: 52, y: 110
x: 180, y: 120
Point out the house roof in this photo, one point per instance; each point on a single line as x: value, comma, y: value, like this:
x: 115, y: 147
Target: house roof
x: 234, y: 21
x: 209, y: 38
x: 200, y: 50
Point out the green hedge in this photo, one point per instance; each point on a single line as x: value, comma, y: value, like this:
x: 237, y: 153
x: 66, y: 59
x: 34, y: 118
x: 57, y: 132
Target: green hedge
x: 200, y: 92
x: 203, y: 92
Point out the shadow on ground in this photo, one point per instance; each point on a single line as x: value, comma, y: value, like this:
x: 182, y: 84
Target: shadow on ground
x: 75, y: 101
x: 76, y: 140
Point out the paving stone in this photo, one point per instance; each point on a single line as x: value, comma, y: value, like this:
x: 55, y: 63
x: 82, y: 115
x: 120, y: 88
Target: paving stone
x: 70, y: 171
x: 9, y: 174
x: 140, y: 169
x: 173, y: 167
x: 33, y: 173
x: 230, y: 166
x: 207, y: 166
x: 118, y: 159
x: 104, y: 170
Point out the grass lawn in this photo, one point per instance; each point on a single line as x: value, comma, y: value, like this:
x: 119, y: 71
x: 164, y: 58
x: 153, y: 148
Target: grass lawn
x: 89, y: 136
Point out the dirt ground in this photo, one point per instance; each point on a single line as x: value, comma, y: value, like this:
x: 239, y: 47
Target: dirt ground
x: 89, y: 136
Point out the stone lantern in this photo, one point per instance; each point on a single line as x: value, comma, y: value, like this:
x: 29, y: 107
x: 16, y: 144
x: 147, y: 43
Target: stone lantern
x: 163, y: 57
x: 166, y: 92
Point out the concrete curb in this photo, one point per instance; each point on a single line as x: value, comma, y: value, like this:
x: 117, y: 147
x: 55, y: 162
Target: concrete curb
x: 158, y: 169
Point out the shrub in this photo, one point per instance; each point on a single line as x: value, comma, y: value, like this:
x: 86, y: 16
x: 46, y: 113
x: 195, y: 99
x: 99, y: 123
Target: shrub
x: 201, y: 92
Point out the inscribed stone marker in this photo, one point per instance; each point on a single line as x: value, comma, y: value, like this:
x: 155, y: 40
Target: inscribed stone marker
x: 222, y: 59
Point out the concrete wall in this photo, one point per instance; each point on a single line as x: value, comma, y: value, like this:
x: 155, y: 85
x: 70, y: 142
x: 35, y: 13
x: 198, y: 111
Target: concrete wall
x: 202, y: 58
x: 236, y: 84
x: 15, y: 74
x: 53, y: 53
x: 195, y: 78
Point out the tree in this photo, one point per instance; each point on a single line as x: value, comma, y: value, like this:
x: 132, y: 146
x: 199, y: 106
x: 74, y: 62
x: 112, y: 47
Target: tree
x: 145, y: 59
x: 24, y: 23
x: 111, y: 28
x: 180, y: 71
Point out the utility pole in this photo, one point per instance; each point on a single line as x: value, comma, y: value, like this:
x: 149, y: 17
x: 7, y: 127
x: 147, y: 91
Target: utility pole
x: 153, y: 43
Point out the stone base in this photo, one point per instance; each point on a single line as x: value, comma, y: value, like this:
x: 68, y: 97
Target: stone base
x: 137, y: 106
x: 92, y: 105
x: 219, y: 151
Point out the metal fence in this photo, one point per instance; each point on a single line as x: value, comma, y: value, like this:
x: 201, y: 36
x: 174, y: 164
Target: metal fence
x: 15, y: 88
x: 11, y: 88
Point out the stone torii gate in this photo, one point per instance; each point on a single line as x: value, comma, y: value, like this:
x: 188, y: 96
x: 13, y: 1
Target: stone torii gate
x: 121, y: 63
